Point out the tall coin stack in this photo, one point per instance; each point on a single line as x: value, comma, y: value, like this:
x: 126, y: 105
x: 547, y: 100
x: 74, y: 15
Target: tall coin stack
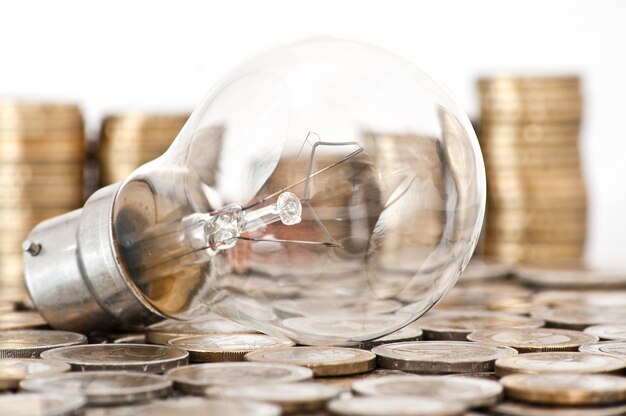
x: 42, y: 151
x: 536, y: 204
x: 129, y: 140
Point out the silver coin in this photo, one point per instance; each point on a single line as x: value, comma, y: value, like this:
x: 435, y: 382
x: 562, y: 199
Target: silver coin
x: 534, y: 340
x: 103, y: 387
x: 523, y: 409
x: 559, y: 362
x: 579, y: 318
x: 292, y: 397
x: 479, y: 270
x: 14, y: 370
x: 441, y: 357
x: 613, y: 299
x: 194, y: 379
x: 330, y: 330
x: 41, y: 404
x: 165, y: 331
x: 449, y: 325
x: 571, y: 278
x: 472, y: 392
x: 408, y: 333
x: 211, y: 348
x: 344, y: 306
x: 191, y: 406
x: 398, y: 406
x: 608, y: 332
x: 613, y: 348
x: 30, y: 343
x: 126, y: 357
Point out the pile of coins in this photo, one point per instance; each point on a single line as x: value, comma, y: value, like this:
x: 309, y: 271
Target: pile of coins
x: 549, y: 346
x: 42, y: 151
x: 128, y: 141
x: 536, y: 204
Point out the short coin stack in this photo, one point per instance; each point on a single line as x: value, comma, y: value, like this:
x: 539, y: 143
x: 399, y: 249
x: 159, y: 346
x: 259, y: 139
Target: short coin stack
x: 42, y: 151
x: 536, y: 195
x: 129, y: 140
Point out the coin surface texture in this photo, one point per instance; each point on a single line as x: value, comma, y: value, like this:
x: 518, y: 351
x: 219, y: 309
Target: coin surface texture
x: 614, y: 348
x: 14, y: 370
x: 194, y: 379
x: 127, y: 357
x: 559, y: 362
x: 399, y: 406
x: 196, y: 406
x: 473, y: 392
x: 608, y: 332
x: 30, y: 343
x: 323, y: 361
x: 41, y: 404
x: 565, y: 389
x: 210, y: 348
x: 526, y: 409
x: 533, y: 340
x: 103, y: 387
x: 441, y: 357
x: 291, y: 397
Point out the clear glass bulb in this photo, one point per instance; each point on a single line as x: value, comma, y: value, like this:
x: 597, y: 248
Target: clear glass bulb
x: 327, y: 191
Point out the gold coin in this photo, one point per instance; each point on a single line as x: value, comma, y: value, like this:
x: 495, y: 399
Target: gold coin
x: 165, y: 331
x: 37, y: 110
x: 559, y: 363
x: 210, y: 348
x: 323, y: 361
x: 505, y: 82
x: 566, y: 389
x: 533, y: 340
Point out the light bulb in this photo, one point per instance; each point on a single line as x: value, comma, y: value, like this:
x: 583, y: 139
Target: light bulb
x: 328, y: 192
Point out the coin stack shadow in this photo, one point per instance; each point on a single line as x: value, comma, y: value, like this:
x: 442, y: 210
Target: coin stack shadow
x: 127, y: 141
x: 536, y: 203
x: 42, y: 152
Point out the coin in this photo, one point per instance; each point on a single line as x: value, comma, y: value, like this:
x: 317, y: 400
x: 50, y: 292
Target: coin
x: 565, y: 389
x: 400, y: 406
x: 533, y: 340
x: 614, y: 299
x: 103, y: 387
x: 195, y: 406
x: 608, y: 332
x: 524, y: 409
x: 323, y: 361
x: 456, y: 325
x: 21, y: 320
x: 559, y: 362
x: 564, y: 276
x: 408, y: 333
x: 165, y: 331
x: 334, y: 307
x: 440, y: 356
x: 30, y: 343
x: 614, y: 348
x: 472, y: 392
x: 131, y: 339
x: 194, y: 379
x: 328, y: 329
x: 14, y: 370
x: 479, y: 270
x: 209, y: 348
x: 127, y: 357
x: 579, y: 318
x: 291, y: 397
x: 41, y: 404
x: 344, y: 383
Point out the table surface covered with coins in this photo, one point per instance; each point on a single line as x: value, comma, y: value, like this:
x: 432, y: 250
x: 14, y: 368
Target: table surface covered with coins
x: 504, y: 341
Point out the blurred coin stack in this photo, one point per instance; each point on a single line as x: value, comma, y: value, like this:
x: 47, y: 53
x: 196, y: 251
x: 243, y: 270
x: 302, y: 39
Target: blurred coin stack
x: 536, y: 203
x: 42, y: 151
x: 129, y: 140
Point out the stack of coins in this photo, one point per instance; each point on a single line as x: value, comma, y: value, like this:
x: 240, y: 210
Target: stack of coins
x: 127, y: 141
x: 536, y: 204
x: 42, y: 150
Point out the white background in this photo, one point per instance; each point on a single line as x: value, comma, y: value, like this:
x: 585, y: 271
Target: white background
x: 165, y: 54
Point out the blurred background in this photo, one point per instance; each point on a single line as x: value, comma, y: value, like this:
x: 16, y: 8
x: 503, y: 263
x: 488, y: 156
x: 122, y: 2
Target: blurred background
x: 130, y: 72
